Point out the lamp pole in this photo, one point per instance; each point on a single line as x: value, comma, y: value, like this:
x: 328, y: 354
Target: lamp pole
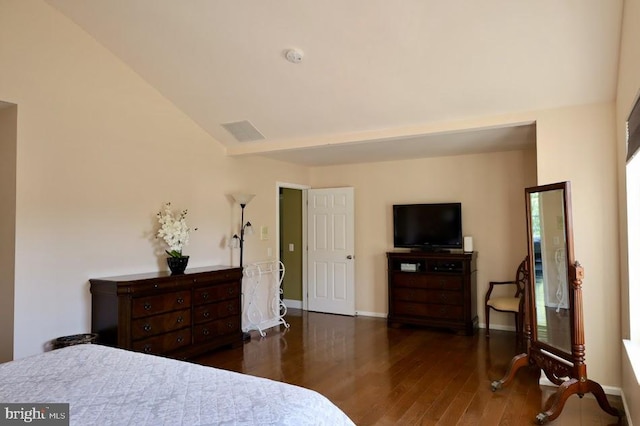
x: 242, y: 206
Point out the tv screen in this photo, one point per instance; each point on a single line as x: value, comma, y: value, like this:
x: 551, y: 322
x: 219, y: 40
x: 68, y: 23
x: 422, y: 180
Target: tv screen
x: 427, y: 226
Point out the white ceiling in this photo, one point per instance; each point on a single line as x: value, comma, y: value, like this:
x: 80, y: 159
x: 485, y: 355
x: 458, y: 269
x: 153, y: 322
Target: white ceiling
x: 369, y: 66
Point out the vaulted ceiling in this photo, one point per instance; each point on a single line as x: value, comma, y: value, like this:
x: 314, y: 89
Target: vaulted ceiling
x: 369, y: 68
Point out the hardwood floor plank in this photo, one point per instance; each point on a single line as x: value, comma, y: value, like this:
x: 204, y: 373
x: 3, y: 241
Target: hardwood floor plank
x: 402, y: 376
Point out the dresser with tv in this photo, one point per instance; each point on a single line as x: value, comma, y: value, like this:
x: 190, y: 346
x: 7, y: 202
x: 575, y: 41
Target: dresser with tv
x: 435, y: 289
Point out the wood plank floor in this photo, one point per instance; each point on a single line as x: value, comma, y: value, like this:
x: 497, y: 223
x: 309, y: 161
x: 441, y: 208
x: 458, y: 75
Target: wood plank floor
x: 386, y: 376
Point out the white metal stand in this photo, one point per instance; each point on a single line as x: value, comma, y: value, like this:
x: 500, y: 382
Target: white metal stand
x: 269, y: 274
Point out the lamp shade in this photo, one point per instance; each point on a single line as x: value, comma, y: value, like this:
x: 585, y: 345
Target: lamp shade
x: 242, y: 198
x: 234, y: 242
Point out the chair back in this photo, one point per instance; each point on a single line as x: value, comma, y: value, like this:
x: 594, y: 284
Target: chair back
x: 522, y: 277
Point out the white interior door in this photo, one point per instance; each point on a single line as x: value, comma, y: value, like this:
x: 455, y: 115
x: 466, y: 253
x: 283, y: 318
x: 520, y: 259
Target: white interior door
x: 330, y: 257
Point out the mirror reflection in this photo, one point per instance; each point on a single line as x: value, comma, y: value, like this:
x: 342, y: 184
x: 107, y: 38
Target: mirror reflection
x: 550, y: 272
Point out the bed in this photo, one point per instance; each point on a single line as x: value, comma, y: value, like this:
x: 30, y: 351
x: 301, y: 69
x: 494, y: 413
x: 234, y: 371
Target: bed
x: 109, y: 386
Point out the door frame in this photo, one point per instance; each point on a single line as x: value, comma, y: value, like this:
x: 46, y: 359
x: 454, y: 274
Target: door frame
x: 303, y: 188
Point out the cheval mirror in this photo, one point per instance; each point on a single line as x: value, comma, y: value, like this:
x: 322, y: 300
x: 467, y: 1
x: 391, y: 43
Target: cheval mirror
x: 553, y: 320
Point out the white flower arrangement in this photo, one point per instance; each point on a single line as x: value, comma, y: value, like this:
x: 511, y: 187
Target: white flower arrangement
x: 173, y: 229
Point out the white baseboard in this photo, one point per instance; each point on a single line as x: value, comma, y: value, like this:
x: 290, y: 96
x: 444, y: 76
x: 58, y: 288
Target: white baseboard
x: 371, y: 314
x: 626, y: 409
x: 293, y: 304
x: 498, y: 327
x: 609, y: 390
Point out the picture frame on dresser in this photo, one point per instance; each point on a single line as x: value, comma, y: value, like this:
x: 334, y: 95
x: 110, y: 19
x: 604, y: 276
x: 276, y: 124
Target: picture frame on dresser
x: 177, y: 316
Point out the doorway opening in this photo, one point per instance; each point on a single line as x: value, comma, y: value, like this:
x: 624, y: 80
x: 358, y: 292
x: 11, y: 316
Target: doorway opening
x: 292, y: 228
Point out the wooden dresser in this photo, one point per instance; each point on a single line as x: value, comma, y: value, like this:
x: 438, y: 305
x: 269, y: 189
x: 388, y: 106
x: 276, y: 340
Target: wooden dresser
x: 178, y: 316
x: 433, y: 289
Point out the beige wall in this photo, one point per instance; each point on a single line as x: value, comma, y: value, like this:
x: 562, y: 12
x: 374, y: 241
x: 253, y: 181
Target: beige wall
x: 99, y: 152
x: 490, y: 188
x: 577, y: 144
x: 8, y: 124
x: 628, y: 88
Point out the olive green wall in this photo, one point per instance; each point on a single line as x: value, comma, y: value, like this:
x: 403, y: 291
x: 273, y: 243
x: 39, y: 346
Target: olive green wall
x: 291, y: 233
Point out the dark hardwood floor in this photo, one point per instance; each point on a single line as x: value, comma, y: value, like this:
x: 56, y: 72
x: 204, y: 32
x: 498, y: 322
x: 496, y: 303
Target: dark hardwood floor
x: 388, y: 376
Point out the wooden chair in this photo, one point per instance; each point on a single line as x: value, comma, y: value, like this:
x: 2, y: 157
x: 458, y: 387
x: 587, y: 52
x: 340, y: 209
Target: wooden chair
x: 513, y: 304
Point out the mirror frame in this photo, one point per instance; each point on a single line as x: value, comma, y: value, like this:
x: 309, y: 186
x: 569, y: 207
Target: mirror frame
x: 531, y: 325
x: 567, y: 370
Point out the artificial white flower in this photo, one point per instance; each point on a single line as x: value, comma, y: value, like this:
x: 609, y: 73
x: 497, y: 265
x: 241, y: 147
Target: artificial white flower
x: 174, y: 230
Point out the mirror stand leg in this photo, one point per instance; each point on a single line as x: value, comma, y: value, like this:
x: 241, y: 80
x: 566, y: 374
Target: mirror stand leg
x: 554, y: 405
x: 516, y: 363
x: 601, y: 397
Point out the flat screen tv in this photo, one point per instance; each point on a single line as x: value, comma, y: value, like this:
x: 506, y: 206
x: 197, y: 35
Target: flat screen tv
x: 427, y: 226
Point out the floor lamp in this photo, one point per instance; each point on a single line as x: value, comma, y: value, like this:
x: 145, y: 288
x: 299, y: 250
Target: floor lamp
x: 245, y: 228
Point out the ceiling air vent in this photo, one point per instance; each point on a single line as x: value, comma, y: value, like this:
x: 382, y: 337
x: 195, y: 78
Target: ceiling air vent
x: 243, y: 131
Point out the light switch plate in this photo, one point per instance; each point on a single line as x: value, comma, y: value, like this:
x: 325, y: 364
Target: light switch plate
x: 264, y: 232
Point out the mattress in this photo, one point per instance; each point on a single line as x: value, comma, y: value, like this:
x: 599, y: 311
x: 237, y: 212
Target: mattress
x: 108, y: 386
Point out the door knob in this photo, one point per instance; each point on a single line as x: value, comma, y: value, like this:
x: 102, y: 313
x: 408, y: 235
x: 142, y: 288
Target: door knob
x: 349, y: 257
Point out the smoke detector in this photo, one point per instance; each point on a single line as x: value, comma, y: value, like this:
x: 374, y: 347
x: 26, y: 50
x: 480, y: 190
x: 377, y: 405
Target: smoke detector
x: 294, y: 55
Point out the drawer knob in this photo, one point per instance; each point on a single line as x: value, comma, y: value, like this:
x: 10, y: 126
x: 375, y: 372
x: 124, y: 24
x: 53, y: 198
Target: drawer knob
x: 230, y: 307
x: 179, y: 320
x: 180, y: 339
x: 205, y: 331
x: 230, y: 325
x: 205, y: 295
x: 147, y: 327
x: 231, y: 290
x: 443, y: 296
x: 147, y: 348
x: 442, y: 283
x: 180, y: 300
x: 147, y: 306
x: 206, y: 314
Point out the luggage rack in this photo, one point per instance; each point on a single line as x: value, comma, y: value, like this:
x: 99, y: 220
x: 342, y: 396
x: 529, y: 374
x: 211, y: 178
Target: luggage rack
x: 269, y: 274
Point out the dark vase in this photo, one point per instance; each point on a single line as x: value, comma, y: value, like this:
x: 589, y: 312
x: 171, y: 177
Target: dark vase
x: 177, y: 264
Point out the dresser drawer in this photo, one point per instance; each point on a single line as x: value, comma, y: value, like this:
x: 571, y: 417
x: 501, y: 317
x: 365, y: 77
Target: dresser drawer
x: 163, y: 343
x: 204, y: 313
x: 150, y: 305
x: 156, y: 324
x: 442, y: 282
x: 217, y: 292
x: 429, y: 310
x: 214, y: 329
x: 420, y: 295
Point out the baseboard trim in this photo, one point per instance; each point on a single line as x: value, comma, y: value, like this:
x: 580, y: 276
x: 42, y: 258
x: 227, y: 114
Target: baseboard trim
x: 293, y: 304
x: 626, y: 409
x: 498, y: 327
x: 371, y: 314
x: 609, y: 390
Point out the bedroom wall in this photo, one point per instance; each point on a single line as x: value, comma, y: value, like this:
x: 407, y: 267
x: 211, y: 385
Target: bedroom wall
x: 99, y: 152
x: 490, y: 188
x: 628, y: 90
x: 578, y: 144
x: 8, y: 123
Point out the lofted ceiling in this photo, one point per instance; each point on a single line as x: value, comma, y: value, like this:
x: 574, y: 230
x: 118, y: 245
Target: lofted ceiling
x: 370, y: 69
